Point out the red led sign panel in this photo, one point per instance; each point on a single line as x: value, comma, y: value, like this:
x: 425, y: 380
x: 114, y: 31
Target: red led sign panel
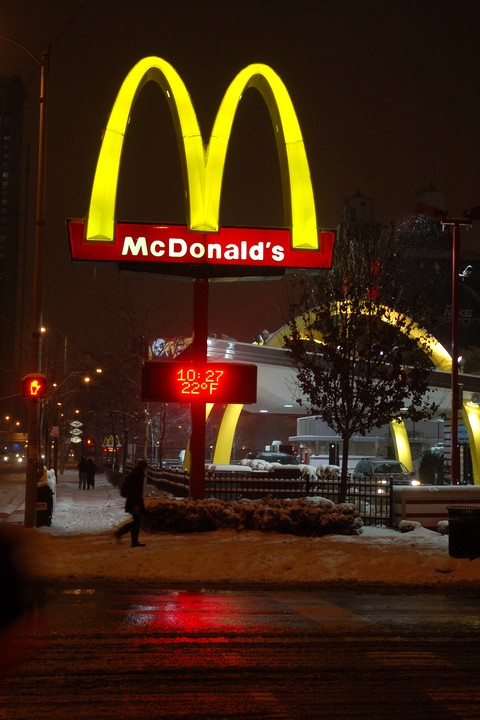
x: 176, y: 381
x: 176, y: 244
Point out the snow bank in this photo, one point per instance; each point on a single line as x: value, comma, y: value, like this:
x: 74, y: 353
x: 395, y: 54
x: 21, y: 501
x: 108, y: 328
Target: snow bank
x: 378, y: 556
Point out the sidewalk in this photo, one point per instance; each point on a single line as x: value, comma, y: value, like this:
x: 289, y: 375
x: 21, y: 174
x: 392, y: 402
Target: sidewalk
x: 12, y: 498
x: 75, y: 511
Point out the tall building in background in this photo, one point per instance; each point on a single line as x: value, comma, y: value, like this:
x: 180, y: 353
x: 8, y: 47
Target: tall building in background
x: 12, y: 255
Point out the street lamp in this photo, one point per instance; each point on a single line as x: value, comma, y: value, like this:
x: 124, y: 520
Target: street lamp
x: 33, y: 405
x: 456, y: 223
x: 59, y: 394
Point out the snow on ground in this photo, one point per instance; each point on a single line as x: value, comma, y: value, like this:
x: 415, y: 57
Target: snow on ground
x: 80, y: 546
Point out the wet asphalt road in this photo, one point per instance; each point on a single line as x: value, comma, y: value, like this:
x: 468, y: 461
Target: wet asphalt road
x: 112, y: 652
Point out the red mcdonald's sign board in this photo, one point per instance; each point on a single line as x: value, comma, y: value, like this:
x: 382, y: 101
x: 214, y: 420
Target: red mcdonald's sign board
x: 167, y: 245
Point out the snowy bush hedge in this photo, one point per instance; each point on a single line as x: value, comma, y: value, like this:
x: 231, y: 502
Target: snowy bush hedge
x: 295, y: 517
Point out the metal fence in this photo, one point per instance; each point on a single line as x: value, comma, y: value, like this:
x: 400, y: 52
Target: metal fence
x: 373, y: 501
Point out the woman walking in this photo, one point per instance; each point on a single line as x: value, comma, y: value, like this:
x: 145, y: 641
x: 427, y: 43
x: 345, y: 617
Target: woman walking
x: 134, y: 503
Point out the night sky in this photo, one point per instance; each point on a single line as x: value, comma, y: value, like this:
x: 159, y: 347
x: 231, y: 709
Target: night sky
x: 387, y: 95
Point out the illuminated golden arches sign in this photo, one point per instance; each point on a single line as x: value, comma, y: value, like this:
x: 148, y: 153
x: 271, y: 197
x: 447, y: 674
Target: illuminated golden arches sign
x: 203, y: 173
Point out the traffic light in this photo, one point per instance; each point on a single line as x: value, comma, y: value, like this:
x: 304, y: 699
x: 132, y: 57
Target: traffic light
x: 34, y: 386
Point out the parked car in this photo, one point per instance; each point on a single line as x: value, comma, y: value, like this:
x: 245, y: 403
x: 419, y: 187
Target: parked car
x: 382, y: 469
x: 273, y: 457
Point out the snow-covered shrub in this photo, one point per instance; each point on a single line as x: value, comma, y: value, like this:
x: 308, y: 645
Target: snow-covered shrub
x: 408, y: 525
x: 152, y: 491
x: 262, y: 465
x: 328, y: 472
x: 318, y: 500
x: 442, y: 527
x: 256, y: 464
x: 308, y: 472
x: 296, y: 517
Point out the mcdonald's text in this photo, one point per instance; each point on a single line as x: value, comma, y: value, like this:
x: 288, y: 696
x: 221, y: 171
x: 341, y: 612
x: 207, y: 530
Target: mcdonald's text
x: 178, y: 248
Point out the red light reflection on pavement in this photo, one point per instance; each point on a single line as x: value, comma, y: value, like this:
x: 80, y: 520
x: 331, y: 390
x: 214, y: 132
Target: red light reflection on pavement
x: 185, y: 612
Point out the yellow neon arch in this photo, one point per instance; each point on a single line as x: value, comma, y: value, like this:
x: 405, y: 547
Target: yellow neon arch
x: 440, y: 356
x: 471, y: 418
x: 442, y: 360
x: 203, y: 170
x: 226, y: 434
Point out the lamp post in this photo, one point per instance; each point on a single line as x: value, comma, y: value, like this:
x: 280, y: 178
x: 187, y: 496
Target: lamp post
x: 456, y: 223
x: 33, y: 405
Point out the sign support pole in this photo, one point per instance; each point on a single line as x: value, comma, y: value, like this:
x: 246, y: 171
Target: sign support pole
x: 455, y: 394
x: 198, y: 409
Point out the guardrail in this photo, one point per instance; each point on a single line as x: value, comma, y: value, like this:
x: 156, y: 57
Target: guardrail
x: 373, y: 501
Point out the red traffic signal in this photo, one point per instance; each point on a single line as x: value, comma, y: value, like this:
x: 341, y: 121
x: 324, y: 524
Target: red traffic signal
x: 34, y: 386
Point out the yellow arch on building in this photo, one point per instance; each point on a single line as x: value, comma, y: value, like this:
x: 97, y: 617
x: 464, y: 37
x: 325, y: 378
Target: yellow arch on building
x: 471, y: 418
x: 441, y: 359
x: 440, y: 356
x: 203, y: 169
x: 223, y: 447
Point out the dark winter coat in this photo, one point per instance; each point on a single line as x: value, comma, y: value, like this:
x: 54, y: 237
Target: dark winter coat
x: 82, y: 466
x: 91, y: 469
x: 135, y: 503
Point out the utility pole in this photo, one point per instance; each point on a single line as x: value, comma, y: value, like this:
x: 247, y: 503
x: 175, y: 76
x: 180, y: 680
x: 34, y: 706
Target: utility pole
x: 34, y: 404
x: 456, y: 223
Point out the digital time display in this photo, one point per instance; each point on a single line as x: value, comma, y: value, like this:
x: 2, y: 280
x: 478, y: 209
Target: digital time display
x: 198, y: 381
x: 176, y: 381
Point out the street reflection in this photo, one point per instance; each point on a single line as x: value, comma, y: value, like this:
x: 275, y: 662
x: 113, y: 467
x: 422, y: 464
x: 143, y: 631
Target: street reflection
x: 185, y: 612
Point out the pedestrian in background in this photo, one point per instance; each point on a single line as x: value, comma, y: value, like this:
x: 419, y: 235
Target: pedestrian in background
x: 91, y: 470
x: 132, y: 490
x: 82, y: 474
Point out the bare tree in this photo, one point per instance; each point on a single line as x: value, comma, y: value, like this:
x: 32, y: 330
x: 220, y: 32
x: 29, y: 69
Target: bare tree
x: 351, y: 341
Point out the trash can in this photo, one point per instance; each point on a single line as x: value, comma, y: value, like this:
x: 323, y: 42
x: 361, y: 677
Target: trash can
x: 464, y: 532
x: 44, y: 505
